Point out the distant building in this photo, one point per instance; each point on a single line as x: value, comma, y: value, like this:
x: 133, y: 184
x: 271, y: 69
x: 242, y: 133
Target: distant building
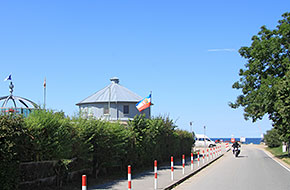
x: 114, y: 102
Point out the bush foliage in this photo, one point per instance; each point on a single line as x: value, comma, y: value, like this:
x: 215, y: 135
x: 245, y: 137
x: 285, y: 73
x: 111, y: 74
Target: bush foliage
x: 11, y: 137
x: 272, y: 138
x: 48, y: 135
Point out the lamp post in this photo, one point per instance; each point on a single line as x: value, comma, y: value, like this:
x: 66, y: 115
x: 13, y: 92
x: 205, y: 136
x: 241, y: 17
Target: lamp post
x: 190, y: 123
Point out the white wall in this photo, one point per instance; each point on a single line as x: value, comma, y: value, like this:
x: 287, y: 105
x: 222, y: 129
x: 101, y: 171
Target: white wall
x: 116, y: 112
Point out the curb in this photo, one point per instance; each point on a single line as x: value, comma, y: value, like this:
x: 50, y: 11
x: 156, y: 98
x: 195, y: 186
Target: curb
x: 170, y: 186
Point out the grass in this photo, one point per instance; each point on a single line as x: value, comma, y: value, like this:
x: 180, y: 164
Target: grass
x: 277, y: 152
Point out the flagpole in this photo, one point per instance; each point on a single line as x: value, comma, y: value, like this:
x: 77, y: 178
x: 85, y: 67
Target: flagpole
x: 150, y: 106
x: 44, y: 93
x: 109, y: 103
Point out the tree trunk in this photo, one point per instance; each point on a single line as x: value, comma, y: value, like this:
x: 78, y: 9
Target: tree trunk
x: 96, y: 167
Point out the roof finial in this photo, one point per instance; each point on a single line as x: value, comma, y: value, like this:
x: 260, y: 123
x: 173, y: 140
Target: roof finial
x: 11, y: 86
x: 115, y: 80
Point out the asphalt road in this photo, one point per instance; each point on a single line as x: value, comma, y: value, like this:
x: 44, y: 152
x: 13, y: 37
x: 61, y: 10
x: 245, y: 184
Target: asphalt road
x: 253, y: 169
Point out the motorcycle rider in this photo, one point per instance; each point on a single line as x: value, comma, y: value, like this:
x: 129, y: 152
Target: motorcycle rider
x: 235, y: 145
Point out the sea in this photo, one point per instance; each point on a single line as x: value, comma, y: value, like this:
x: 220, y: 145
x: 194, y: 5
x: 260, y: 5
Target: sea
x: 248, y: 140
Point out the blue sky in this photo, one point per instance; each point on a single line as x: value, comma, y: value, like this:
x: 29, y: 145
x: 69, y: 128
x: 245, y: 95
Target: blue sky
x: 183, y: 51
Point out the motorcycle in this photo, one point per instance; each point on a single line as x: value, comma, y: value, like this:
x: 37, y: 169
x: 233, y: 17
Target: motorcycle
x: 236, y: 151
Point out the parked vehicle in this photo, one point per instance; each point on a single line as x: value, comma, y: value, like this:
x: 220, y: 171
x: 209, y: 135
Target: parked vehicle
x: 203, y: 140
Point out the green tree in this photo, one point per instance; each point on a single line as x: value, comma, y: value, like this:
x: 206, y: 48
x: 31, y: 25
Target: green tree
x: 265, y: 80
x: 272, y: 138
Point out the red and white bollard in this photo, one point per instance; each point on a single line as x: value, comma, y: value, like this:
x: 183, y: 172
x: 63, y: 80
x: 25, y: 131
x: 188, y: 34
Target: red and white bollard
x: 84, y: 182
x: 227, y: 146
x: 129, y: 178
x: 197, y: 159
x: 155, y: 174
x: 207, y: 155
x: 203, y: 156
x: 191, y: 159
x: 172, y: 168
x: 183, y: 164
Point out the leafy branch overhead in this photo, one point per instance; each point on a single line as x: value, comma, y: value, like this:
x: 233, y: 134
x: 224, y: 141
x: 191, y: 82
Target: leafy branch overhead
x: 264, y: 81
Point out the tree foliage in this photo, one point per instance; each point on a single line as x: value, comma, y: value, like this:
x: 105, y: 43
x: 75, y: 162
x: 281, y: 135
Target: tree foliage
x: 265, y: 80
x: 272, y: 138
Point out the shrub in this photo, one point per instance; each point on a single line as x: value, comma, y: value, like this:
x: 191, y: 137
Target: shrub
x: 272, y: 138
x: 11, y: 136
x: 157, y: 138
x: 51, y: 136
x: 107, y: 143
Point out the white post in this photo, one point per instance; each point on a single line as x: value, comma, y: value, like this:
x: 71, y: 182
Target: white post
x: 183, y: 164
x: 207, y: 155
x: 197, y: 159
x: 191, y: 158
x: 155, y: 174
x: 129, y: 178
x: 172, y: 169
x: 84, y: 182
x: 284, y: 147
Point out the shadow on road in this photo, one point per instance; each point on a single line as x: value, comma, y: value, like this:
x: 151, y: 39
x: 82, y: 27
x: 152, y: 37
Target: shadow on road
x: 242, y: 156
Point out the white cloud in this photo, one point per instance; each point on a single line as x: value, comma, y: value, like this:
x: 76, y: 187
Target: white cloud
x: 229, y: 50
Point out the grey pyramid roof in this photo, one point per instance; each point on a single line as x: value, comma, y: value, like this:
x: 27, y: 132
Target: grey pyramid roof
x: 117, y: 91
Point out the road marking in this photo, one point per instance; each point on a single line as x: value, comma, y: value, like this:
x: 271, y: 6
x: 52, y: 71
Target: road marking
x: 277, y: 161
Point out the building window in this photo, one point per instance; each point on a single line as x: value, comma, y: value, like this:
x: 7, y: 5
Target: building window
x: 106, y: 109
x: 90, y: 111
x: 126, y: 109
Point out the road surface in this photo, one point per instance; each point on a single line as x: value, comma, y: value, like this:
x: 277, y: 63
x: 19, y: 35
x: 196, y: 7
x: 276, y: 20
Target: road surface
x: 253, y: 169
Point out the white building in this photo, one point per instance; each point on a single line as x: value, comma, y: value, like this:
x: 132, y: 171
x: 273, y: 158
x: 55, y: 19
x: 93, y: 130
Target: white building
x: 114, y: 102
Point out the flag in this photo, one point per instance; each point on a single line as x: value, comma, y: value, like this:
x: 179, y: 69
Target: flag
x: 44, y: 83
x: 8, y: 78
x: 143, y: 104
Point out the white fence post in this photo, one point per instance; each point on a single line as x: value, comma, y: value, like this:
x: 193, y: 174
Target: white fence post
x: 129, y: 178
x: 172, y: 168
x: 84, y: 182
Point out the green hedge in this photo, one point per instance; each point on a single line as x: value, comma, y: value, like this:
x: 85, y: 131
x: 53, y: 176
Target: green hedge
x: 48, y: 135
x: 12, y: 134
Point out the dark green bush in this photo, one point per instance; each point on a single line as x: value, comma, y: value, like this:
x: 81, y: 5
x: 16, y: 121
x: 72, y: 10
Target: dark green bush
x: 11, y: 136
x: 272, y: 138
x: 51, y: 135
x: 158, y: 139
x: 47, y: 135
x: 106, y: 143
